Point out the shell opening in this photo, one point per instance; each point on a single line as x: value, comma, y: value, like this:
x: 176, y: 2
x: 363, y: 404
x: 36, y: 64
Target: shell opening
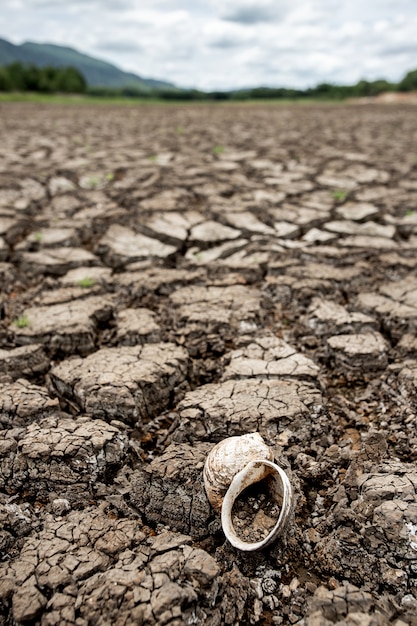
x: 260, y: 482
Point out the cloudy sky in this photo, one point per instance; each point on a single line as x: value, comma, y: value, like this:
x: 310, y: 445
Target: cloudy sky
x: 226, y: 44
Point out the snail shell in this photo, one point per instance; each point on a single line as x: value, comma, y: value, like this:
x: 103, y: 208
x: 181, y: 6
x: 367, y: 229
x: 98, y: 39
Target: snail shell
x: 228, y: 458
x: 248, y: 476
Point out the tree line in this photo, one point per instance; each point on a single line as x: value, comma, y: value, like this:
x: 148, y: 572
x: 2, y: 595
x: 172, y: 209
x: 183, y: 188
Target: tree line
x: 19, y: 77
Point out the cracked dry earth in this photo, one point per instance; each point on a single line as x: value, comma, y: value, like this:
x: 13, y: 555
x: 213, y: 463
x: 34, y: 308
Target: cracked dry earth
x: 175, y: 275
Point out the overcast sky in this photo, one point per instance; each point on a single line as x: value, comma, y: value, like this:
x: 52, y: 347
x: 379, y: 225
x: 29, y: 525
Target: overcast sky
x: 226, y: 44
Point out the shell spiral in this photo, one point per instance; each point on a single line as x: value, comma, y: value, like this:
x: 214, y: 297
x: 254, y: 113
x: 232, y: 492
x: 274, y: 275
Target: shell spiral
x: 228, y: 458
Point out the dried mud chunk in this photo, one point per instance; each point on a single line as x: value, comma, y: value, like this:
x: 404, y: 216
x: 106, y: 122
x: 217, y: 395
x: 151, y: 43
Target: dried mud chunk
x: 228, y: 305
x: 65, y: 204
x: 208, y: 317
x: 49, y: 238
x: 216, y: 411
x: 66, y: 294
x: 28, y: 601
x: 21, y: 403
x: 408, y: 344
x: 211, y: 232
x: 128, y: 383
x: 367, y: 351
x: 16, y: 521
x: 339, y: 604
x: 168, y: 200
x: 60, y: 185
x: 4, y: 250
x: 55, y: 561
x: 24, y: 361
x: 247, y: 262
x: 365, y: 174
x: 121, y: 245
x: 56, y: 261
x: 63, y: 456
x: 378, y: 544
x: 70, y: 327
x: 396, y: 303
x: 329, y: 179
x: 408, y: 377
x: 178, y: 587
x: 11, y: 228
x: 404, y: 291
x: 87, y: 276
x: 368, y: 229
x: 326, y: 317
x: 173, y: 227
x: 325, y: 271
x: 357, y: 211
x: 217, y: 254
x: 269, y: 357
x: 369, y: 242
x: 155, y: 280
x: 137, y: 326
x: 301, y: 216
x: 247, y: 221
x: 32, y: 189
x: 286, y: 230
x: 317, y: 236
x: 170, y: 491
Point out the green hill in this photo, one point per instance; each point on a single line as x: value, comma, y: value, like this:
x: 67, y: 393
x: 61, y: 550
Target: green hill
x: 97, y: 73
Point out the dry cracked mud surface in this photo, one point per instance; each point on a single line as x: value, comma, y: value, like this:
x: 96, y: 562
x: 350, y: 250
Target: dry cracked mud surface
x: 172, y: 276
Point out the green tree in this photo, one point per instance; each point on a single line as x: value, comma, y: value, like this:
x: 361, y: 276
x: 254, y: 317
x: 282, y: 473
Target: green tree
x: 70, y: 80
x: 409, y: 82
x: 17, y: 76
x: 5, y: 80
x: 47, y: 77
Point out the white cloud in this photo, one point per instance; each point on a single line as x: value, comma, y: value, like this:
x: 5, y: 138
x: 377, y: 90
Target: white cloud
x: 224, y: 44
x: 252, y: 11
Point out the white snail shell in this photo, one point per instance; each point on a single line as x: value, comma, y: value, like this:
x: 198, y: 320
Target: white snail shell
x: 229, y: 457
x: 231, y: 466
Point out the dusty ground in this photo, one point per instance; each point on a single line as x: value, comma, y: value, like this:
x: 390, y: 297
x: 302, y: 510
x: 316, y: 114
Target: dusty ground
x: 171, y: 276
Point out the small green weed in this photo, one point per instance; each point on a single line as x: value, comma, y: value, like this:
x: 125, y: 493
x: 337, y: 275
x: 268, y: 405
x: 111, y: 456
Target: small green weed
x: 38, y: 237
x: 109, y: 177
x: 339, y: 194
x: 153, y: 158
x: 410, y: 213
x: 93, y: 182
x: 218, y: 149
x: 22, y: 321
x: 179, y: 130
x: 86, y: 282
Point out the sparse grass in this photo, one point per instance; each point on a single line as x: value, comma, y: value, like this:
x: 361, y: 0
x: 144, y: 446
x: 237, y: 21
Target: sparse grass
x: 109, y: 177
x: 218, y: 150
x: 69, y: 99
x: 179, y: 130
x: 409, y: 213
x: 73, y: 99
x: 38, y: 237
x: 22, y: 321
x: 153, y: 158
x: 339, y: 194
x: 86, y: 282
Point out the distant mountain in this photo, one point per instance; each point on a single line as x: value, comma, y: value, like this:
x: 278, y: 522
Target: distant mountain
x: 97, y: 73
